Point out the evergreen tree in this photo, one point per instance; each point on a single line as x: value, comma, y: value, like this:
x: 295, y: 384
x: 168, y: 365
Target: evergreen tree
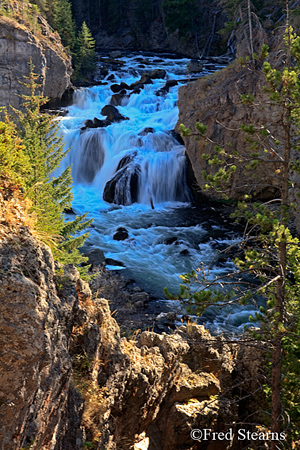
x: 85, y: 55
x: 271, y: 253
x: 50, y: 196
x: 63, y: 22
x: 14, y: 162
x: 181, y: 15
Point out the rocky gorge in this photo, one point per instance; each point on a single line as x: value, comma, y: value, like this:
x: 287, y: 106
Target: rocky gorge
x: 75, y: 376
x: 69, y: 380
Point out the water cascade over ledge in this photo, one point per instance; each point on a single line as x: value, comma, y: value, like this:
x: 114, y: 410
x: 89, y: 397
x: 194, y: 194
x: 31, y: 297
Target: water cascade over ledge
x: 129, y: 172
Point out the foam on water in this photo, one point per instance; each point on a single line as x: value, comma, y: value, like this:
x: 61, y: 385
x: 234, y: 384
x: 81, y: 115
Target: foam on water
x: 159, y: 162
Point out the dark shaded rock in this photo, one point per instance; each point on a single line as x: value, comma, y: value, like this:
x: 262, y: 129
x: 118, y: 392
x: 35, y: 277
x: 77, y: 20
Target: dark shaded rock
x: 113, y: 262
x: 111, y: 77
x: 163, y: 91
x: 176, y: 136
x: 69, y: 211
x: 195, y: 66
x: 98, y: 123
x: 126, y: 160
x: 137, y: 87
x: 117, y: 99
x: 122, y: 189
x: 139, y: 84
x: 67, y: 98
x: 121, y: 234
x: 112, y: 114
x: 115, y: 54
x: 146, y: 131
x: 146, y: 79
x: 119, y: 87
x: 89, y: 124
x: 170, y: 240
x: 96, y: 256
x: 158, y: 73
x: 184, y: 252
x: 171, y: 83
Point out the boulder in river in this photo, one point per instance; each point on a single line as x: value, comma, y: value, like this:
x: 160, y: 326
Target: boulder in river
x: 195, y: 66
x: 165, y: 89
x: 115, y: 54
x: 158, y: 74
x: 119, y: 87
x: 126, y: 160
x: 113, y: 262
x: 122, y: 189
x: 121, y: 234
x: 145, y: 79
x: 146, y: 131
x: 170, y: 240
x: 112, y: 114
x: 96, y: 123
x: 117, y: 99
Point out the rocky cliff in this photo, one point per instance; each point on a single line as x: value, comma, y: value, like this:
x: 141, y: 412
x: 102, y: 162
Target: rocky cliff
x: 19, y: 46
x: 67, y: 377
x: 216, y: 102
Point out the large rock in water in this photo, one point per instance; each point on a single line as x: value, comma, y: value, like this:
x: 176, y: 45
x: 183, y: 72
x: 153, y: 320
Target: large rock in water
x: 112, y: 114
x: 122, y: 189
x: 17, y: 47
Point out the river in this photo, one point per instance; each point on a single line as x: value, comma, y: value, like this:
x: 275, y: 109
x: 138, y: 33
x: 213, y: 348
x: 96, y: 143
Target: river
x: 166, y: 235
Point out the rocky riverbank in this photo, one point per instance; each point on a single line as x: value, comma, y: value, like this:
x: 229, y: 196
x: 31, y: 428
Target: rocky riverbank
x: 69, y: 378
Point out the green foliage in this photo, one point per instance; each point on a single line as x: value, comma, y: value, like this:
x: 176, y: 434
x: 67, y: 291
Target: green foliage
x: 14, y: 162
x: 271, y: 255
x: 50, y: 196
x: 181, y: 15
x: 85, y: 55
x: 63, y: 22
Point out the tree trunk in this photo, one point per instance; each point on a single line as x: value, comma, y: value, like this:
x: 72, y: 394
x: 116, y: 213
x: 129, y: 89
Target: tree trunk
x: 250, y: 28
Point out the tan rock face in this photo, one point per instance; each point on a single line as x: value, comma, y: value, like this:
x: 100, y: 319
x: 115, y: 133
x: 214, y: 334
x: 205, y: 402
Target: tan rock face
x: 216, y: 102
x: 150, y: 391
x: 35, y: 380
x: 18, y: 46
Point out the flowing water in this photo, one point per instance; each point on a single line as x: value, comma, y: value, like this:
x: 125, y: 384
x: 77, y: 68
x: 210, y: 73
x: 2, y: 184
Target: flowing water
x: 167, y: 235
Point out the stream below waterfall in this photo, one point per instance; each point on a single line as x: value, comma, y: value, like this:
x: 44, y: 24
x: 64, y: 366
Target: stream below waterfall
x: 140, y: 167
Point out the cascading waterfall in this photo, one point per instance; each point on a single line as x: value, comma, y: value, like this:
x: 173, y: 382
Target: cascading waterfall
x: 131, y: 173
x: 88, y: 155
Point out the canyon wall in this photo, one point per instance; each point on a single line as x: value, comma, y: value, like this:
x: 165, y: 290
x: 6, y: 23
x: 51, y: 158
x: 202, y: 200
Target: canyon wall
x: 19, y: 46
x: 67, y: 377
x: 216, y: 101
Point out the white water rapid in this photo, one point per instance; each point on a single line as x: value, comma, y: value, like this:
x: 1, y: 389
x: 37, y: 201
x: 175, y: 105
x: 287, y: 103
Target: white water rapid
x: 141, y: 168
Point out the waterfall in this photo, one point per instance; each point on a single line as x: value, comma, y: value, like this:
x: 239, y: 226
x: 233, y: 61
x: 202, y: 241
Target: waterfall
x: 131, y: 173
x: 88, y: 155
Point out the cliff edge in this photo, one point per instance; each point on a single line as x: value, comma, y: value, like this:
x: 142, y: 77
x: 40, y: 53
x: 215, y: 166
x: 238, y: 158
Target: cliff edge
x: 68, y: 378
x: 19, y: 46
